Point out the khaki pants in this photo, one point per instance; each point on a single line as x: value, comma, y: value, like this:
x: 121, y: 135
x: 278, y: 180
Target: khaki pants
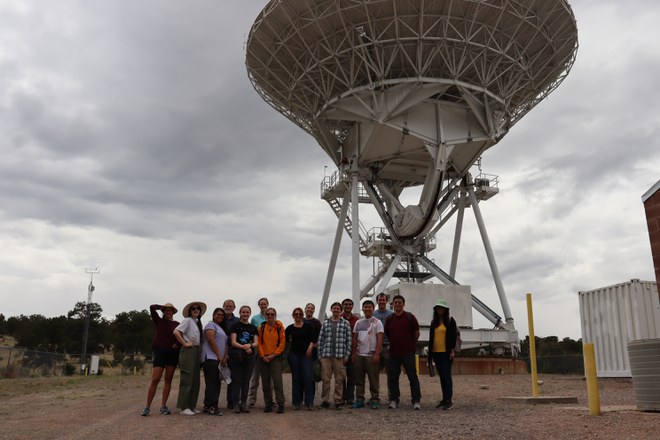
x: 271, y: 373
x: 333, y: 366
x: 365, y: 365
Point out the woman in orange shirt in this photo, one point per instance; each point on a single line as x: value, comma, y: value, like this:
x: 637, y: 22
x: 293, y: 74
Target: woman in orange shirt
x: 271, y: 346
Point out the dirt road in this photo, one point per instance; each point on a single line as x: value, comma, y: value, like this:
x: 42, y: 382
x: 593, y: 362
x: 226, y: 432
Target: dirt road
x: 108, y: 407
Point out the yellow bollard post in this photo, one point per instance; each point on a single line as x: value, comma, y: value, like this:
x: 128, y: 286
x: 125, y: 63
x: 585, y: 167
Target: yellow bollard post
x: 532, y: 347
x: 592, y: 379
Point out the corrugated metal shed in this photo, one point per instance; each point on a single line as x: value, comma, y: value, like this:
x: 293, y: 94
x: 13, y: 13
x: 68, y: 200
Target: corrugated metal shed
x: 612, y: 316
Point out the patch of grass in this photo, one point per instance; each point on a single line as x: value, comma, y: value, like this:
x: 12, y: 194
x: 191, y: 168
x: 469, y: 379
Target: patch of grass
x: 25, y: 386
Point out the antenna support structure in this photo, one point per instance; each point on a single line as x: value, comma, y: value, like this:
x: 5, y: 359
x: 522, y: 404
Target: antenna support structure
x: 408, y: 95
x: 90, y: 290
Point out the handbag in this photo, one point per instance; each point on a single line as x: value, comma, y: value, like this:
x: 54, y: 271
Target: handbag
x: 317, y: 370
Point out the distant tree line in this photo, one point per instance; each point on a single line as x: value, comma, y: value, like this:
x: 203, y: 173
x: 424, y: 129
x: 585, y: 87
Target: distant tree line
x: 128, y: 333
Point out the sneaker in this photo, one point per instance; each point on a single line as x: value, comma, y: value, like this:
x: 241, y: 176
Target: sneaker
x: 448, y: 405
x: 237, y: 409
x: 337, y: 405
x: 310, y: 408
x: 215, y: 411
x: 243, y: 408
x: 296, y: 407
x: 280, y: 409
x: 196, y: 411
x: 325, y: 405
x: 358, y: 404
x: 417, y: 406
x: 268, y: 409
x: 375, y: 405
x: 145, y: 412
x: 393, y: 404
x: 165, y: 411
x: 441, y: 404
x: 187, y: 412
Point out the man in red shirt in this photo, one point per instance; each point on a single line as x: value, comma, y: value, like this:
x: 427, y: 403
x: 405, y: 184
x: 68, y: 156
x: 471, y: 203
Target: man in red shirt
x: 402, y: 329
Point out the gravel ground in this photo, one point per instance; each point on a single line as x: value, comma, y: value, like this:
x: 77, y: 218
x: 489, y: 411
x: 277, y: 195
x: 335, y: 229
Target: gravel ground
x: 108, y: 407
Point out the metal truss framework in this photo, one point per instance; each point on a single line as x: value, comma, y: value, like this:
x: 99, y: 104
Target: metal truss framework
x: 304, y: 55
x: 404, y: 93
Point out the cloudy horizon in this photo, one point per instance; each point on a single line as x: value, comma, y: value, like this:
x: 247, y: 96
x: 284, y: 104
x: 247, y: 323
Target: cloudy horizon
x: 133, y: 142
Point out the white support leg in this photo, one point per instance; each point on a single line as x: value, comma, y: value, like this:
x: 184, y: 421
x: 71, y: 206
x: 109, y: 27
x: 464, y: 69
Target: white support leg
x: 355, y: 219
x: 457, y: 235
x: 333, y: 257
x: 388, y: 275
x: 491, y: 258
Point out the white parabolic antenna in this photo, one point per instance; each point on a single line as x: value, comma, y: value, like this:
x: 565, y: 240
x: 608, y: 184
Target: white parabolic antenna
x: 409, y: 93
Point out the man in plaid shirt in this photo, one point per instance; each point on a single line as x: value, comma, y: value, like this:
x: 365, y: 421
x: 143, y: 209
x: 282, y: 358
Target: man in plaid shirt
x: 334, y: 350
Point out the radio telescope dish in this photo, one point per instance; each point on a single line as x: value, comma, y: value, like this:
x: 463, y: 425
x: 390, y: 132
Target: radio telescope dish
x: 408, y: 93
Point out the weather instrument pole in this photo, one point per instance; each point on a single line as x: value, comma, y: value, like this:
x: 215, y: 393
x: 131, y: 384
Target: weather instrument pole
x: 90, y: 290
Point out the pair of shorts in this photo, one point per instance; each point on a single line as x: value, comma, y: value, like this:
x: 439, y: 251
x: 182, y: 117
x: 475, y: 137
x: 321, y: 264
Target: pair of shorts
x: 166, y: 358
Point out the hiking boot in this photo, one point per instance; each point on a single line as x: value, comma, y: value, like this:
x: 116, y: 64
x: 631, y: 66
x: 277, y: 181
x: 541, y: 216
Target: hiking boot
x: 164, y: 410
x: 375, y: 405
x: 448, y: 405
x: 441, y: 404
x: 337, y: 405
x: 251, y: 405
x: 280, y: 409
x: 145, y: 412
x: 215, y: 412
x: 268, y: 408
x: 325, y: 405
x: 358, y: 404
x: 243, y: 408
x: 237, y: 409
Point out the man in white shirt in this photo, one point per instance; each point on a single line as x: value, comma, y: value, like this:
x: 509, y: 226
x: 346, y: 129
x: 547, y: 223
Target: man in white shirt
x: 367, y: 344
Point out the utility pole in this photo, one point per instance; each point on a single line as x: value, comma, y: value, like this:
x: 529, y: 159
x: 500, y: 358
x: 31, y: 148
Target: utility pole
x: 90, y: 290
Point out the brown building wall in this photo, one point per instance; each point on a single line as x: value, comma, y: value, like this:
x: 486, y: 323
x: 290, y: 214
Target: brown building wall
x: 652, y: 208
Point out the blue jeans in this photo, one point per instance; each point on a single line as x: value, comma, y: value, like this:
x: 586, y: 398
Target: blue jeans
x: 302, y: 382
x: 394, y: 367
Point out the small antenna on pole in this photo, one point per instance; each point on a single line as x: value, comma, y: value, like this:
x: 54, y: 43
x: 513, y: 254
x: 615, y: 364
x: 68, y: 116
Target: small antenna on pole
x: 90, y: 290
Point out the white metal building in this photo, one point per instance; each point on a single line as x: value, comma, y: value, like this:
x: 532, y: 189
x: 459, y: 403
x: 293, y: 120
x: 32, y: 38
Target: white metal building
x: 612, y: 316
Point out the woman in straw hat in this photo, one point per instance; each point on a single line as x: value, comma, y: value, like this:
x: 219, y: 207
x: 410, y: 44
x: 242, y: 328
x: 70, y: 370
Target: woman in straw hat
x: 165, y: 356
x: 443, y: 334
x: 189, y: 335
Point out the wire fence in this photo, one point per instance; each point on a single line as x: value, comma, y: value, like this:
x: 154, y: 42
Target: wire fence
x: 16, y: 362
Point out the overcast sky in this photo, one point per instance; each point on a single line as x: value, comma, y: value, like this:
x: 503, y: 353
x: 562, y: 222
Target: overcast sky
x: 131, y: 140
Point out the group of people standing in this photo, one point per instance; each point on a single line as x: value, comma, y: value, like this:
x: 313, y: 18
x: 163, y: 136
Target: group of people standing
x: 244, y: 351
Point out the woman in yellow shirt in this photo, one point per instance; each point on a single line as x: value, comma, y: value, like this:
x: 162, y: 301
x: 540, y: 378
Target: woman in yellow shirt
x: 442, y: 343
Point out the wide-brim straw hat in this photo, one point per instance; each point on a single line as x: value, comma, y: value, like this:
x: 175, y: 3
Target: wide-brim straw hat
x: 441, y: 303
x: 169, y: 306
x: 186, y: 309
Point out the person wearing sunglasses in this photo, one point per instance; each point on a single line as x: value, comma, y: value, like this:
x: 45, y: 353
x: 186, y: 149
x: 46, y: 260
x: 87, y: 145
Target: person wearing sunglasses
x: 214, y: 355
x: 301, y: 339
x: 272, y: 340
x: 189, y: 335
